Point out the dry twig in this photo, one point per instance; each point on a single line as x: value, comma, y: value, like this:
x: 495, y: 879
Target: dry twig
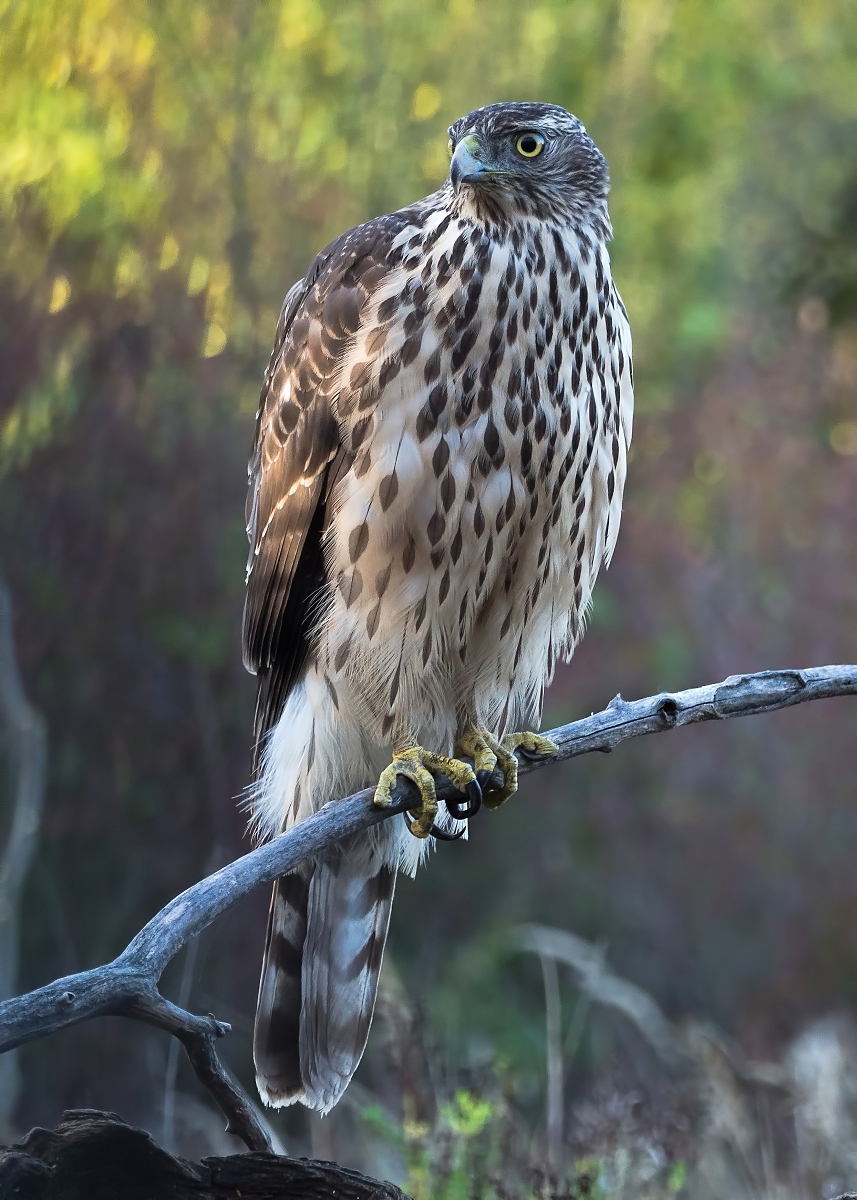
x: 128, y: 986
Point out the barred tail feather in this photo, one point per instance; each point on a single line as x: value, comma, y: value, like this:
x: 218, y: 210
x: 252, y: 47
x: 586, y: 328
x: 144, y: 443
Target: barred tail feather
x: 277, y: 1031
x: 326, y: 937
x: 349, y: 914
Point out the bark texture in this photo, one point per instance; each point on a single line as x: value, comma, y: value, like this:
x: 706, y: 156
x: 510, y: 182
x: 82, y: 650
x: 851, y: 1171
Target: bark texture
x: 95, y: 1155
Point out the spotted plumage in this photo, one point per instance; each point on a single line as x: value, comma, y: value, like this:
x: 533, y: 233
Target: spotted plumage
x: 437, y: 477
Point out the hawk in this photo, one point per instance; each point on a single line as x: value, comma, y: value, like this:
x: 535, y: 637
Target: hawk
x: 437, y: 477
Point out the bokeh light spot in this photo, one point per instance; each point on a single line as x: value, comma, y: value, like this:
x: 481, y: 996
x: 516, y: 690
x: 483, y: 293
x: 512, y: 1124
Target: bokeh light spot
x: 843, y: 437
x: 214, y: 341
x: 426, y: 102
x: 60, y: 294
x: 198, y: 276
x: 169, y: 253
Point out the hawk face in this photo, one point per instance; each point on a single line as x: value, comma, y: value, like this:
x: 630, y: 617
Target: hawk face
x: 528, y: 160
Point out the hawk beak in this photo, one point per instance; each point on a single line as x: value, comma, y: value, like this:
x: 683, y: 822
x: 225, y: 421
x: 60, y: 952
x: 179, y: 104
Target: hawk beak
x: 466, y: 166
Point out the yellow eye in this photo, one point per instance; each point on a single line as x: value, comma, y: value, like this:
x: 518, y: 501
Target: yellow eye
x: 530, y: 144
x: 449, y: 146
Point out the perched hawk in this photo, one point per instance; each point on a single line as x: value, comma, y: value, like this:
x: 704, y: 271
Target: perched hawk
x: 437, y: 477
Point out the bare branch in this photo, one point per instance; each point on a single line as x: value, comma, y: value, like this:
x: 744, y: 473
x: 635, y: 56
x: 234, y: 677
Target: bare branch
x: 737, y: 696
x: 27, y: 740
x: 553, y: 1054
x: 600, y: 983
x: 198, y: 1036
x: 128, y: 985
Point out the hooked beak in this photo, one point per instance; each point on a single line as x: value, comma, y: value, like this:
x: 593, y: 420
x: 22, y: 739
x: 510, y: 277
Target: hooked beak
x: 466, y: 165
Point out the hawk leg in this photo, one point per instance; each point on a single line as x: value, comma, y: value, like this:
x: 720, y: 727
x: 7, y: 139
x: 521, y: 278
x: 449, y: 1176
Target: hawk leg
x: 488, y: 752
x: 420, y: 766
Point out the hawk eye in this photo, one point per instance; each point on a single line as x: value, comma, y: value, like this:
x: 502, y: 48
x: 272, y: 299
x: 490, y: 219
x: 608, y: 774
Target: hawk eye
x: 530, y: 144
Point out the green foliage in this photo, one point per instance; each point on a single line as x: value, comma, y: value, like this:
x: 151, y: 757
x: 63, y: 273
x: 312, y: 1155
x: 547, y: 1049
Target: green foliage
x: 470, y: 1154
x: 455, y: 1158
x: 467, y: 1115
x: 218, y: 146
x: 678, y: 1176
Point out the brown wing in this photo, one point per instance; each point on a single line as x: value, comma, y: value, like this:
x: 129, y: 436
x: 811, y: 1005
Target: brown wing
x: 297, y: 458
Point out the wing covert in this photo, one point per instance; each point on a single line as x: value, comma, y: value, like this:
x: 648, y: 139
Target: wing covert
x: 298, y: 456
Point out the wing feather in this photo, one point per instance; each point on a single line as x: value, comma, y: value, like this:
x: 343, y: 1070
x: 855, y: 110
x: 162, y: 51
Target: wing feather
x: 297, y: 458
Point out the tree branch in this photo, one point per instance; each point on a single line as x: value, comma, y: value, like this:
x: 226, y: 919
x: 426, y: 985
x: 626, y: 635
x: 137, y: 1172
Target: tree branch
x: 128, y: 985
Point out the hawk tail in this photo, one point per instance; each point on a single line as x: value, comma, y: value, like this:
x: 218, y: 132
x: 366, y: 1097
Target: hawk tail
x: 326, y: 933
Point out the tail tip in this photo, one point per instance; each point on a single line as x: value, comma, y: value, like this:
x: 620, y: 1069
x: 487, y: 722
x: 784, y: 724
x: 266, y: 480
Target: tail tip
x: 273, y: 1096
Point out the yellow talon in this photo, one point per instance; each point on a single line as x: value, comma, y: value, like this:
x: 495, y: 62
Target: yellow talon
x: 479, y: 745
x: 418, y: 764
x: 531, y: 743
x: 488, y: 752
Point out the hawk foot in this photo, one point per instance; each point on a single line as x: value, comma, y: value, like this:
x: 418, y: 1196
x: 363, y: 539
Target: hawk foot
x: 420, y: 766
x: 488, y: 753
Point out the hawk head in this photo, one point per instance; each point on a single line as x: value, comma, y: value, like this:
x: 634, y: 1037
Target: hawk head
x: 533, y: 160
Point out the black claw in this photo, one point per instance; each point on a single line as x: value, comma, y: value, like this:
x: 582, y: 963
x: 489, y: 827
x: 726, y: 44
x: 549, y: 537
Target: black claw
x: 533, y: 755
x: 443, y: 836
x: 472, y: 806
x: 483, y: 777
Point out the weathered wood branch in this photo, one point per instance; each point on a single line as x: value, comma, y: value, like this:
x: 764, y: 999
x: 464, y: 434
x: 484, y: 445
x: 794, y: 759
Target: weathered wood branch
x: 128, y: 985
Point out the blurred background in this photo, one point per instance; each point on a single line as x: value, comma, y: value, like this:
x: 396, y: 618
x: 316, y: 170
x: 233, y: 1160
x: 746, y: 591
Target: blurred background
x: 167, y: 170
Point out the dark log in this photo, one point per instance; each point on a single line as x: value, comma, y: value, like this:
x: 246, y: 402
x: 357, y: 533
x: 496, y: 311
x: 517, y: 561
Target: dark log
x: 95, y: 1155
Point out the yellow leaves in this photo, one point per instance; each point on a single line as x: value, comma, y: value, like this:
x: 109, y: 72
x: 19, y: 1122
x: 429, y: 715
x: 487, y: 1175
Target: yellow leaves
x: 198, y: 277
x: 217, y: 307
x: 137, y: 124
x: 169, y: 253
x: 16, y: 163
x: 130, y: 270
x: 60, y: 294
x: 117, y: 130
x: 144, y: 49
x: 426, y: 102
x: 152, y: 165
x: 219, y: 283
x: 60, y: 70
x: 214, y: 341
x: 299, y: 21
x: 31, y: 422
x: 112, y: 41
